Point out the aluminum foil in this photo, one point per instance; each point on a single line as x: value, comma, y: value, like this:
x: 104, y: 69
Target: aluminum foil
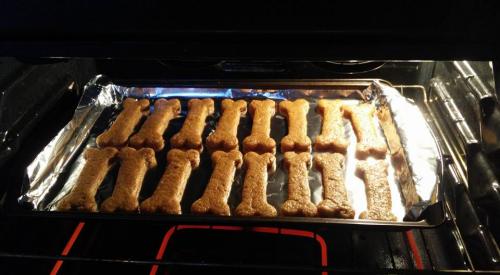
x: 417, y: 139
x: 55, y: 170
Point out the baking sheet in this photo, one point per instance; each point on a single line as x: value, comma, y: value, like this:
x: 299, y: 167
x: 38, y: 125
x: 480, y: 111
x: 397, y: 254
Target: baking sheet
x: 55, y: 170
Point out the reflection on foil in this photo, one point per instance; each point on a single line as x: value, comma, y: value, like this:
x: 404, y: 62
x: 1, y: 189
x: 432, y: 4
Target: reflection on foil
x: 417, y: 140
x: 44, y: 171
x: 56, y: 169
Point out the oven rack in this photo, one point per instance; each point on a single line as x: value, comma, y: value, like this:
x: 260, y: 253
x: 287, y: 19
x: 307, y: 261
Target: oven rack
x: 69, y: 246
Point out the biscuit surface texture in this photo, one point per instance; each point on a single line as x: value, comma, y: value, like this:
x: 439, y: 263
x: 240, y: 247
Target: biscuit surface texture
x: 398, y: 158
x: 369, y: 140
x: 168, y: 194
x: 332, y: 137
x: 254, y: 199
x: 335, y: 201
x: 296, y: 114
x: 189, y: 137
x: 299, y: 194
x: 378, y: 192
x: 82, y: 196
x: 259, y: 140
x: 216, y: 194
x: 151, y: 133
x: 123, y: 126
x: 224, y: 138
x: 133, y: 167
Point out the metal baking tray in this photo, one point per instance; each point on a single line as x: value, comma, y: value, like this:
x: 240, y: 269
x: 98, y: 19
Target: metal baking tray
x: 54, y: 171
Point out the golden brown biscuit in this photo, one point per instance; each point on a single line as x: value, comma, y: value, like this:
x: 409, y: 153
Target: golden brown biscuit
x: 151, y: 132
x: 299, y: 194
x: 332, y: 137
x: 296, y: 114
x: 214, y: 199
x: 398, y: 158
x: 259, y: 140
x: 224, y: 138
x: 168, y: 194
x: 133, y: 167
x: 369, y: 141
x: 82, y: 196
x: 335, y: 202
x: 254, y: 200
x: 378, y: 193
x: 123, y: 126
x: 189, y: 137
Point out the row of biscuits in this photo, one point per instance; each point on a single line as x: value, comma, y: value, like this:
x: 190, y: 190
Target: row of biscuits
x: 373, y: 171
x: 296, y: 146
x: 331, y: 161
x: 260, y: 162
x: 226, y: 159
x: 182, y: 159
x: 134, y: 163
x: 331, y: 147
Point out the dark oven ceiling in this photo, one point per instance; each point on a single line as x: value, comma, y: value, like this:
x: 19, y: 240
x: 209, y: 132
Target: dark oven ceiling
x: 214, y: 30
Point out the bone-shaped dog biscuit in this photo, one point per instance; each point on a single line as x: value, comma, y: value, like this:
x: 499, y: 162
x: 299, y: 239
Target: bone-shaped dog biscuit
x: 224, y: 138
x: 151, y: 132
x: 259, y: 140
x: 216, y: 194
x: 133, y: 167
x: 254, y: 200
x: 398, y: 158
x: 189, y: 137
x: 369, y: 141
x: 168, y: 194
x: 332, y: 137
x: 299, y: 194
x: 296, y: 114
x: 82, y: 196
x: 335, y: 202
x: 123, y: 126
x: 378, y: 192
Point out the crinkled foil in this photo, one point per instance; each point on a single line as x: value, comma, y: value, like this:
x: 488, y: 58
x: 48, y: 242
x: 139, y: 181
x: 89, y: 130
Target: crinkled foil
x: 417, y: 140
x: 46, y: 168
x: 56, y: 169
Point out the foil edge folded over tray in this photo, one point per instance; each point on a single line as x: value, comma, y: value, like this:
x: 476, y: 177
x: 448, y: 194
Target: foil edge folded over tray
x: 422, y: 154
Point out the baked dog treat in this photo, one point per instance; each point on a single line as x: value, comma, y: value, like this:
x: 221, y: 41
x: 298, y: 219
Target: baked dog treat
x: 299, y: 194
x: 296, y: 114
x: 378, y: 193
x: 151, y: 132
x: 214, y: 198
x: 259, y: 140
x: 254, y: 200
x: 369, y: 141
x: 117, y: 135
x: 335, y: 202
x: 82, y: 196
x: 189, y: 137
x: 168, y: 194
x: 398, y: 158
x: 133, y: 167
x: 224, y: 138
x: 332, y: 137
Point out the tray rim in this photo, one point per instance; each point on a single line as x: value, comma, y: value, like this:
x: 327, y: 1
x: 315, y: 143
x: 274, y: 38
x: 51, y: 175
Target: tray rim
x: 102, y: 81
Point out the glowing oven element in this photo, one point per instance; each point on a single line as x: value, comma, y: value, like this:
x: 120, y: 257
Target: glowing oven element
x: 268, y: 230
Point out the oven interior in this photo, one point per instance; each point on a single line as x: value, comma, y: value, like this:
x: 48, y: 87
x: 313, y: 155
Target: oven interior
x: 458, y: 100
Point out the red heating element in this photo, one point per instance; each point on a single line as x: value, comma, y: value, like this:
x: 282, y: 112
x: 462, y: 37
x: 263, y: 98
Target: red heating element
x: 268, y: 230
